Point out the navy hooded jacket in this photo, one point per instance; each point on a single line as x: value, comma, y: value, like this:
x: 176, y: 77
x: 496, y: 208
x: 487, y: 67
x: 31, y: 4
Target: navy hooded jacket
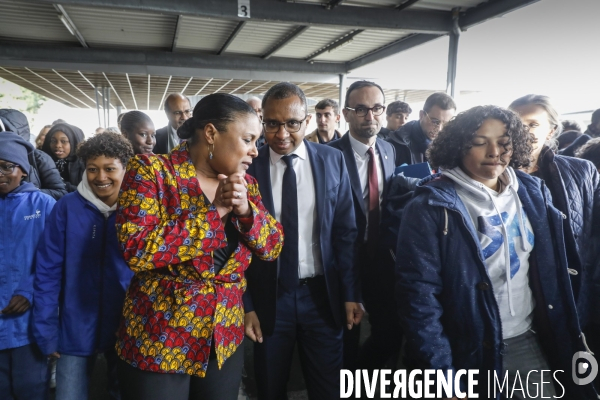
x: 447, y: 306
x: 80, y: 268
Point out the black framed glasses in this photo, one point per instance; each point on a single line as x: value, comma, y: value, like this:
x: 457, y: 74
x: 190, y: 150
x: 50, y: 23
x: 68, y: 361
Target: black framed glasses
x: 292, y: 126
x: 363, y: 111
x: 7, y: 169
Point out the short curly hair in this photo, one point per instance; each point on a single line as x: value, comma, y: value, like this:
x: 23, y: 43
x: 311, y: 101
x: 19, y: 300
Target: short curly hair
x: 108, y: 144
x: 453, y: 143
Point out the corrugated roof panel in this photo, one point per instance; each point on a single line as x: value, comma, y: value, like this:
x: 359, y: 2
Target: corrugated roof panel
x: 257, y: 38
x: 363, y: 3
x: 310, y: 41
x: 32, y: 22
x: 362, y: 44
x: 445, y: 5
x: 103, y: 27
x: 204, y: 33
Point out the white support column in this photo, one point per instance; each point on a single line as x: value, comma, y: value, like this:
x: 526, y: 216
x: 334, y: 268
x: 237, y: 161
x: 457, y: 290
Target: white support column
x: 453, y: 55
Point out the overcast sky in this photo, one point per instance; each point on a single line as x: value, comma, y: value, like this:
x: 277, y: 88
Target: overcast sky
x: 551, y: 47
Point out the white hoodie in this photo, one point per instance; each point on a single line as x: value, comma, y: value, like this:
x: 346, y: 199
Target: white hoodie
x: 86, y: 192
x: 500, y: 221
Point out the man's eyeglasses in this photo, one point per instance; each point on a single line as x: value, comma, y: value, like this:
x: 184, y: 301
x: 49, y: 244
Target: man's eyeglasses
x: 292, y: 126
x: 363, y: 111
x: 180, y: 114
x: 436, y: 122
x: 7, y: 169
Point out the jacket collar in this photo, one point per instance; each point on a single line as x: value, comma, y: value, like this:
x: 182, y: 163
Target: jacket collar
x: 346, y: 147
x: 442, y: 192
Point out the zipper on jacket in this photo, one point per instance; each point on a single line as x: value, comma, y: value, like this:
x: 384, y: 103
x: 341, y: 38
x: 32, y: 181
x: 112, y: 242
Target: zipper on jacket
x: 487, y: 276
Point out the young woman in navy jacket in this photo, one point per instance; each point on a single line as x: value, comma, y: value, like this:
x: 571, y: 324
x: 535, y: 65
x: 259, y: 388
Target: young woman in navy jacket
x: 482, y: 278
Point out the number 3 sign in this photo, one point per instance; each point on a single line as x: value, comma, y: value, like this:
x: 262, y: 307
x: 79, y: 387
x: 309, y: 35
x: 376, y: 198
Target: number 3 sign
x: 244, y: 8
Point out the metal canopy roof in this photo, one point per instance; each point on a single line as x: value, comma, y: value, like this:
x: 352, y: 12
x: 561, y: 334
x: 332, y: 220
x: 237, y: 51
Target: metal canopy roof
x: 143, y: 49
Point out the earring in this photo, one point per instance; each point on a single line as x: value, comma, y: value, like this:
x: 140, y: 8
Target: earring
x: 210, y: 154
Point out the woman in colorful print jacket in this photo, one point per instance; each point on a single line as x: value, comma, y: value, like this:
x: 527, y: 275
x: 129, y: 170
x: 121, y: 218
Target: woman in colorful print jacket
x: 188, y: 223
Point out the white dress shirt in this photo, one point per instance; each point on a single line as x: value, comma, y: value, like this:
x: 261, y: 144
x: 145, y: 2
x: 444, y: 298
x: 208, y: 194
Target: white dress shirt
x: 361, y: 156
x: 309, y: 248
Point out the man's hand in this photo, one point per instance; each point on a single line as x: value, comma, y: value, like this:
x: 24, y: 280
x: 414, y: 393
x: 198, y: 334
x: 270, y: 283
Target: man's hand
x: 54, y: 355
x: 17, y: 305
x: 252, y: 325
x: 354, y: 313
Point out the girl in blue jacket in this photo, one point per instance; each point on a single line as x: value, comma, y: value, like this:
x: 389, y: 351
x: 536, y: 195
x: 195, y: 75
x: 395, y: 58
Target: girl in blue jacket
x: 23, y: 214
x: 80, y: 271
x: 482, y: 271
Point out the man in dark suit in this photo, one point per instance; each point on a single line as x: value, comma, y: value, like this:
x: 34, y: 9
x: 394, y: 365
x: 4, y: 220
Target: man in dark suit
x: 178, y: 110
x: 370, y: 163
x: 310, y: 293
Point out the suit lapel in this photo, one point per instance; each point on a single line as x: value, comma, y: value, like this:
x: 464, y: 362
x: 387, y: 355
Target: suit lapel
x: 317, y: 165
x: 263, y: 176
x: 352, y: 170
x: 387, y: 163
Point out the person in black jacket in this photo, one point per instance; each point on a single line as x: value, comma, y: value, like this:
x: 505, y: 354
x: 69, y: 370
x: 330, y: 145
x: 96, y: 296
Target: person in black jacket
x: 396, y: 115
x: 61, y: 144
x: 575, y: 187
x: 412, y: 139
x: 42, y: 172
x: 593, y: 128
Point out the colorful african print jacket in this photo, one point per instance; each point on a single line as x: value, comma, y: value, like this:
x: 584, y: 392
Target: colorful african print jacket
x: 175, y: 304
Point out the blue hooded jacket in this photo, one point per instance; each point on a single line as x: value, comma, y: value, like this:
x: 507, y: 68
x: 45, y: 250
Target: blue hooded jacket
x: 447, y: 306
x: 80, y: 269
x: 23, y: 215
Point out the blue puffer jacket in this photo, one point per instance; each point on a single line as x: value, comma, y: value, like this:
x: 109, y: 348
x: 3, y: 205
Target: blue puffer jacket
x: 80, y: 269
x: 23, y: 215
x: 575, y: 187
x: 450, y: 315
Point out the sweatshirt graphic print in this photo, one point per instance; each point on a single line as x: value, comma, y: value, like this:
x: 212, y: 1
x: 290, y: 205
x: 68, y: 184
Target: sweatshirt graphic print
x: 506, y: 240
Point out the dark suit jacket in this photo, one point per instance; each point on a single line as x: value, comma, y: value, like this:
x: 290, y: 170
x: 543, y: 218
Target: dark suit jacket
x: 337, y: 231
x: 387, y: 157
x: 162, y: 141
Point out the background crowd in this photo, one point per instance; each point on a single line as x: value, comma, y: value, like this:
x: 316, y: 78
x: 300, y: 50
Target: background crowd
x: 163, y: 249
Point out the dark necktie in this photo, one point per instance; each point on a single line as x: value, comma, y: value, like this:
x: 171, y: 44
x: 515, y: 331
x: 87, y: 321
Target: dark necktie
x: 373, y: 223
x: 288, y: 272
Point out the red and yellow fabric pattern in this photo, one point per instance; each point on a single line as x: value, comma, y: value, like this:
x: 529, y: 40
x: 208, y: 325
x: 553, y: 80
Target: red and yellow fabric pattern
x: 176, y: 305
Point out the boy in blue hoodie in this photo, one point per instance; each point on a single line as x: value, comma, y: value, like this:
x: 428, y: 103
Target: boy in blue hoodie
x: 80, y: 270
x: 23, y: 213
